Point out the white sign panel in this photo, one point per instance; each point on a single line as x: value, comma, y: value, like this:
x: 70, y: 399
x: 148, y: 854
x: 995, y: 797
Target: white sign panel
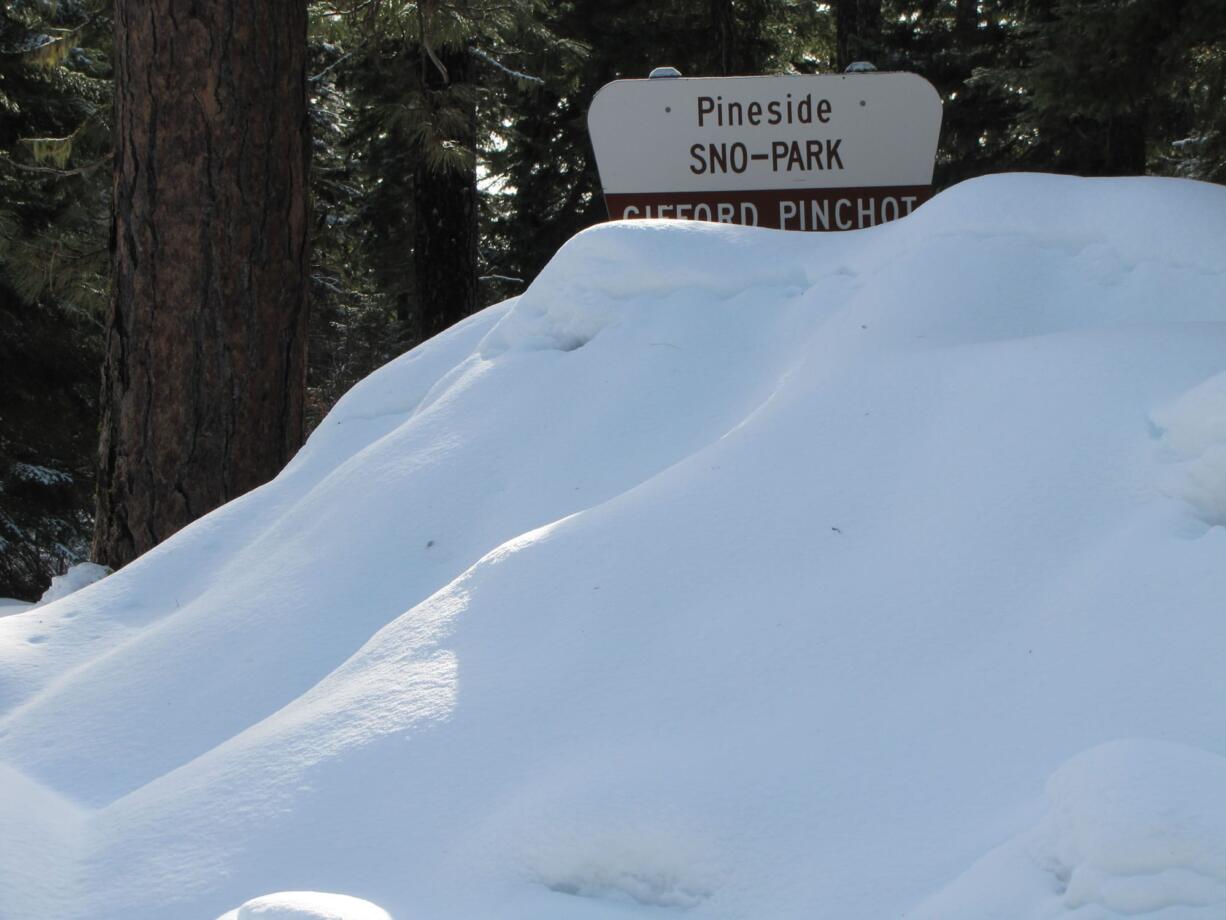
x: 833, y: 151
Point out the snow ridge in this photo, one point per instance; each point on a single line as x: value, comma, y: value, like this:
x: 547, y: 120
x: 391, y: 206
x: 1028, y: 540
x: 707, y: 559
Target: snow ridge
x: 1132, y: 828
x: 726, y: 571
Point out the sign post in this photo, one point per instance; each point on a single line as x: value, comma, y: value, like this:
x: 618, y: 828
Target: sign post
x: 828, y: 152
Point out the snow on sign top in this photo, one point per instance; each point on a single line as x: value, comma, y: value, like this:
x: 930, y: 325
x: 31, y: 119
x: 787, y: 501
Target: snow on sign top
x: 827, y: 152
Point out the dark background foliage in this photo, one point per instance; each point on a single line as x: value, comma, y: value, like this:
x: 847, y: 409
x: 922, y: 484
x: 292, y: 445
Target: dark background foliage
x: 449, y: 142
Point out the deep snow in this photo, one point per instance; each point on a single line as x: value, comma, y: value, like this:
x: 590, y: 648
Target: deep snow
x: 727, y: 572
x: 11, y: 605
x: 306, y: 905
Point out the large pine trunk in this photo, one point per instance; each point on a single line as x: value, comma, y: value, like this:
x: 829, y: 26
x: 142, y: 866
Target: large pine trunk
x: 204, y: 377
x: 445, y: 211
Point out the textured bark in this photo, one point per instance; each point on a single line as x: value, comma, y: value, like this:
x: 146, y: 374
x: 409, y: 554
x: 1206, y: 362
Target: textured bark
x: 204, y: 375
x: 857, y: 28
x: 445, y: 218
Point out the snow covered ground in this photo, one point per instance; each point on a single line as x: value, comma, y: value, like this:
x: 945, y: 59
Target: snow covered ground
x: 10, y: 605
x: 727, y: 573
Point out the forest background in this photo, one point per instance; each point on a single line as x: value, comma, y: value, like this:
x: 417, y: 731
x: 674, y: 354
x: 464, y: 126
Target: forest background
x: 449, y: 159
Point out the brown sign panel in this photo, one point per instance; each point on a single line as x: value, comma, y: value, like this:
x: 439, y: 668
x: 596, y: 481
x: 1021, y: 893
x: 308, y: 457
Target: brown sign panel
x: 779, y: 209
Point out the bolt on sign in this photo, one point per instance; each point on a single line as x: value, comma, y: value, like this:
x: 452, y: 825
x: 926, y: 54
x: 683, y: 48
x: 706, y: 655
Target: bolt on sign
x: 825, y: 152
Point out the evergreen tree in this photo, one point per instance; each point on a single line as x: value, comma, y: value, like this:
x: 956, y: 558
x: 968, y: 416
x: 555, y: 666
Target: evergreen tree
x: 54, y: 213
x: 1111, y: 88
x: 450, y: 160
x: 1091, y: 87
x: 857, y: 26
x: 952, y: 43
x: 545, y: 161
x: 353, y: 325
x: 1194, y: 141
x: 426, y: 83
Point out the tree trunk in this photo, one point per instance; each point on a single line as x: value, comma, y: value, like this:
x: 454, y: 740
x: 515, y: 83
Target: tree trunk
x: 966, y: 25
x: 723, y: 27
x: 445, y: 212
x: 857, y: 29
x: 204, y: 377
x: 1125, y: 154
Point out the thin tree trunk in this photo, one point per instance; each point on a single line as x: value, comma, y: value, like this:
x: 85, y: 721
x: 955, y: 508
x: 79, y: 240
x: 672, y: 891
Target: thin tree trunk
x: 1125, y: 146
x: 723, y: 25
x: 445, y: 215
x: 857, y: 27
x: 966, y: 24
x: 204, y: 377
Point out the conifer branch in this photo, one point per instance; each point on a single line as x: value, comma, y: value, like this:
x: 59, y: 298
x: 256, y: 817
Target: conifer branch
x: 424, y: 41
x: 348, y: 54
x: 51, y: 171
x: 518, y: 75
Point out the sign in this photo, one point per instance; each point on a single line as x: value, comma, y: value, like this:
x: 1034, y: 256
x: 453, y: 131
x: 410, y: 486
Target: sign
x: 828, y: 152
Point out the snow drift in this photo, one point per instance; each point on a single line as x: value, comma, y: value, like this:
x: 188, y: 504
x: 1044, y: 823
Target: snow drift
x: 306, y: 905
x: 727, y: 572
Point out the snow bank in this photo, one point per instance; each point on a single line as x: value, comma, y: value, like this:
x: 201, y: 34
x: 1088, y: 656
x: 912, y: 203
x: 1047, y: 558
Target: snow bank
x: 1132, y: 828
x: 306, y: 905
x: 10, y: 605
x: 1194, y: 436
x: 79, y: 576
x: 727, y: 571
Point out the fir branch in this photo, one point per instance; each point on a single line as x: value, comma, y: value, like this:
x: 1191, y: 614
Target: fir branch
x: 51, y: 171
x: 516, y: 74
x: 330, y: 285
x: 348, y: 54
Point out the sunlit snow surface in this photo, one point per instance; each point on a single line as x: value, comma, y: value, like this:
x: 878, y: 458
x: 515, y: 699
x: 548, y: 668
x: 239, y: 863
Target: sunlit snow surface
x: 306, y: 905
x: 728, y: 572
x: 10, y: 605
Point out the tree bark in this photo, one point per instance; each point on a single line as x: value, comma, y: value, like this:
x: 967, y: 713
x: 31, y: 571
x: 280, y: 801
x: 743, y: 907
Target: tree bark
x: 445, y: 212
x: 204, y: 376
x: 857, y: 32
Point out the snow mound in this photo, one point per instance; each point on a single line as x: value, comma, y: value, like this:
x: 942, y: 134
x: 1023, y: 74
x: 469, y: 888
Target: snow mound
x: 307, y: 905
x: 11, y: 605
x: 1133, y: 828
x: 1194, y: 435
x: 81, y: 575
x: 727, y: 571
